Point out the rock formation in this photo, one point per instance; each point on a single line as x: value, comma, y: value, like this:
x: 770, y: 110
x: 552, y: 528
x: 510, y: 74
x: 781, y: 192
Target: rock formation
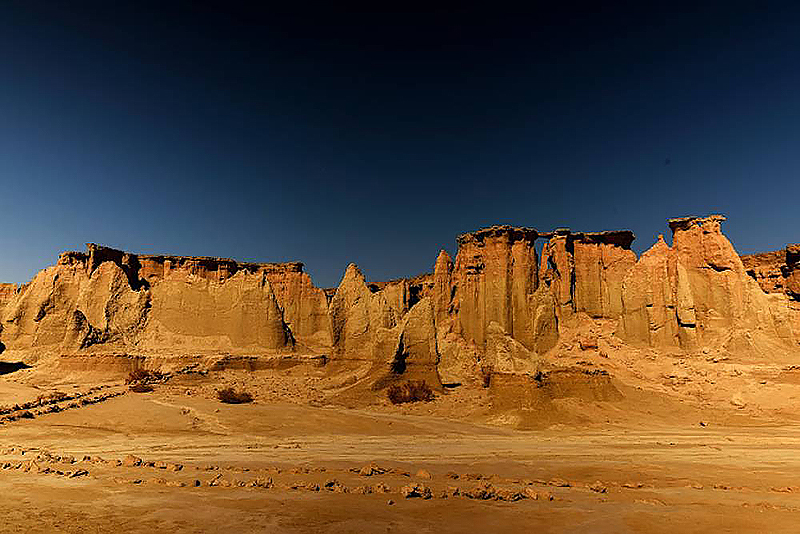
x: 109, y: 300
x: 696, y: 293
x: 357, y: 315
x: 7, y: 292
x: 495, y: 276
x: 585, y: 270
x: 496, y: 305
x: 776, y: 272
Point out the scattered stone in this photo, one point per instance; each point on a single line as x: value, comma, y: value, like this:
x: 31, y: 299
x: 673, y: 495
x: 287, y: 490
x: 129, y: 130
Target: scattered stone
x: 451, y: 491
x: 370, y: 470
x: 598, y: 487
x: 335, y: 486
x: 131, y: 461
x: 483, y: 491
x: 504, y: 494
x: 381, y: 488
x: 411, y: 491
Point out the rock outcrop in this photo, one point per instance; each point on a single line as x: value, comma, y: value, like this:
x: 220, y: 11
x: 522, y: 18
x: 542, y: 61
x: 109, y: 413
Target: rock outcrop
x: 7, y: 292
x: 357, y: 316
x: 776, y: 272
x: 496, y: 305
x: 239, y: 314
x: 696, y: 293
x: 416, y: 354
x: 110, y: 300
x: 370, y: 332
x: 504, y: 354
x: 494, y: 279
x: 585, y: 270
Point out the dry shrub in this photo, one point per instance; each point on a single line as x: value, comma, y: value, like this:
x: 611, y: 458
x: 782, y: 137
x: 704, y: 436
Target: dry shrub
x: 410, y: 391
x: 231, y: 396
x: 141, y: 388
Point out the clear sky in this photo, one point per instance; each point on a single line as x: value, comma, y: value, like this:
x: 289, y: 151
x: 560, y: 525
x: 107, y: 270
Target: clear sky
x: 376, y: 137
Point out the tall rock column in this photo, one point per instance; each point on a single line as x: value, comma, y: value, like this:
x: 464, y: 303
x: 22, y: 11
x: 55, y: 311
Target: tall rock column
x: 442, y: 289
x: 495, y: 274
x: 602, y: 259
x: 356, y: 315
x: 558, y: 271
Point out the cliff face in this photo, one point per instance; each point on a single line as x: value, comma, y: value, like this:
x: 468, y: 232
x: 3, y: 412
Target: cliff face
x: 357, y: 316
x: 585, y: 271
x: 697, y: 293
x: 7, y: 292
x: 496, y: 305
x: 776, y: 272
x: 110, y: 300
x: 494, y: 277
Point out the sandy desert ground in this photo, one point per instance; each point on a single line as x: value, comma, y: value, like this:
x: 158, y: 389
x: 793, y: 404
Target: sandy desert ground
x: 602, y: 393
x: 286, y: 463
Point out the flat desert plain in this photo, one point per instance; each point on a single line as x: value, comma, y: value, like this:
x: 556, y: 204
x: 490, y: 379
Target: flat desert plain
x: 178, y: 460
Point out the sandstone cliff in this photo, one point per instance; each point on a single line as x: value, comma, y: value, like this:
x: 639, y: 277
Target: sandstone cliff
x: 776, y: 272
x: 696, y: 294
x: 494, y: 277
x: 110, y: 300
x: 7, y: 292
x: 496, y: 305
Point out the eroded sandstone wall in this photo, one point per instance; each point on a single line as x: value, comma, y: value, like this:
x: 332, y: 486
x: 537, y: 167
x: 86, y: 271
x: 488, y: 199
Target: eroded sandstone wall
x: 357, y: 317
x: 105, y: 299
x: 7, y: 292
x: 697, y: 294
x: 585, y: 271
x: 495, y: 304
x: 495, y: 274
x: 776, y: 272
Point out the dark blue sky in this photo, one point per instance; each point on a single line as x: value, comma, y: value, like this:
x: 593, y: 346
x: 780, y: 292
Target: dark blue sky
x: 376, y: 137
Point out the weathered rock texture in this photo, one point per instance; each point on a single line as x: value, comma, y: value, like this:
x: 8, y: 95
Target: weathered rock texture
x: 585, y: 270
x: 776, y: 272
x: 106, y: 299
x: 696, y: 293
x: 7, y: 292
x: 496, y: 305
x: 375, y: 327
x: 357, y: 317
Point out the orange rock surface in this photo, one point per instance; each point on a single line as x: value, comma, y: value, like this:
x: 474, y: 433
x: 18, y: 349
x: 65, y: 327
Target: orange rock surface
x: 496, y: 305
